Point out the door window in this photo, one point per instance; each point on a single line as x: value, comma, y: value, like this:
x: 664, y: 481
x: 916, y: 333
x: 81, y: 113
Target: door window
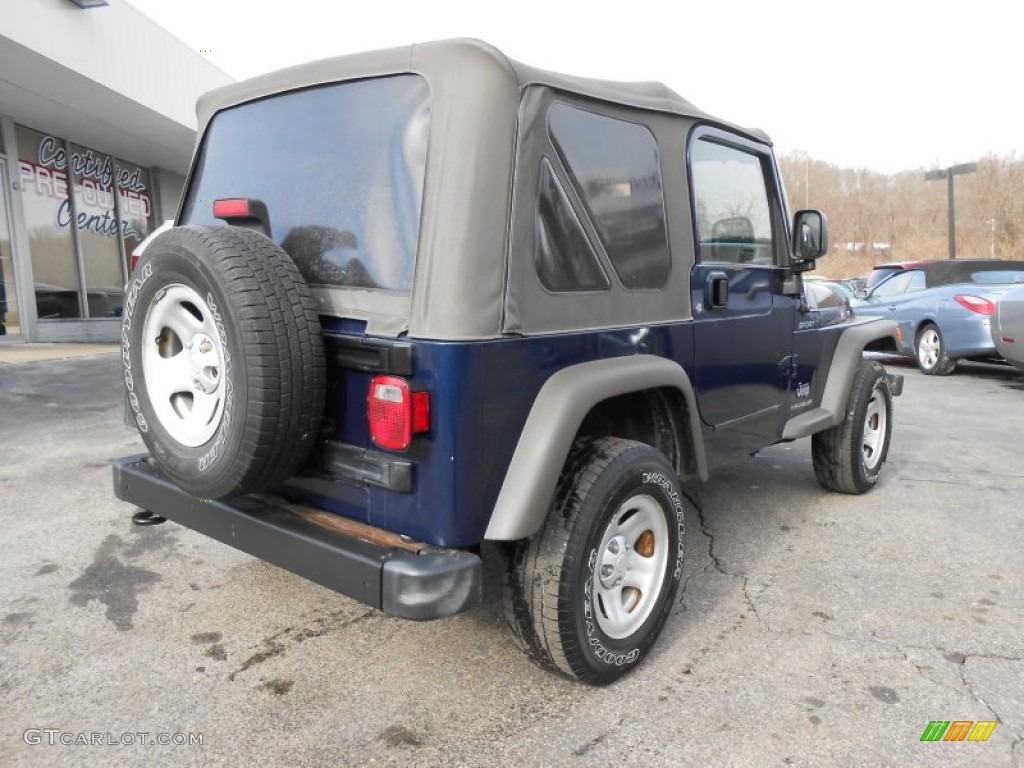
x: 894, y: 286
x: 734, y: 221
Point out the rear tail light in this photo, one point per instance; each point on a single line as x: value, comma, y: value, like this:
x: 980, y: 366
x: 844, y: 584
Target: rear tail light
x: 135, y: 260
x: 243, y: 211
x: 233, y: 208
x: 396, y: 413
x: 976, y: 304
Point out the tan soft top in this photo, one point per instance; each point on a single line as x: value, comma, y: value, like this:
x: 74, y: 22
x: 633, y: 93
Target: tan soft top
x: 475, y: 95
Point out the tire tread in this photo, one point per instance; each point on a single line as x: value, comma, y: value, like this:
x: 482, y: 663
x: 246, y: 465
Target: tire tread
x: 278, y: 329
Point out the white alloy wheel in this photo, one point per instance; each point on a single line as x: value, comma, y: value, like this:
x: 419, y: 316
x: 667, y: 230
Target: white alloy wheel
x: 630, y: 571
x: 929, y: 346
x: 183, y: 365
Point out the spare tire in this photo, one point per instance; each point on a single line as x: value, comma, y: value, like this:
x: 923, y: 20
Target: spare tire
x: 223, y: 360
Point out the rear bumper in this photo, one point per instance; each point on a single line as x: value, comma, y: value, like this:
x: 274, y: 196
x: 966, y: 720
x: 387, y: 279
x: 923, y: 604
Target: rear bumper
x: 403, y: 578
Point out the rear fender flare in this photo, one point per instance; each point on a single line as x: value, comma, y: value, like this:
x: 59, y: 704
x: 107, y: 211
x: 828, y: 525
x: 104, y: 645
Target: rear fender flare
x: 554, y: 421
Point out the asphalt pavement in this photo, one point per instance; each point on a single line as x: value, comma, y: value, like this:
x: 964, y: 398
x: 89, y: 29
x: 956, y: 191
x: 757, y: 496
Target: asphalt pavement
x: 812, y: 628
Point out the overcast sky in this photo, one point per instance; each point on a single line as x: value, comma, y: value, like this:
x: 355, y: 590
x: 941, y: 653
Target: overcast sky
x: 889, y: 85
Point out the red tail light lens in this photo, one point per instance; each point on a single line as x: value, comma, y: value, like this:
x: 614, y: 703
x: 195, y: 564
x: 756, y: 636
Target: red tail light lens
x: 976, y: 304
x: 396, y: 413
x: 232, y: 208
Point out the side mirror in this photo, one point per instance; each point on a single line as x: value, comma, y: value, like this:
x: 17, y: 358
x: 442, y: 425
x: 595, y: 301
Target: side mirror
x: 810, y: 237
x: 860, y: 293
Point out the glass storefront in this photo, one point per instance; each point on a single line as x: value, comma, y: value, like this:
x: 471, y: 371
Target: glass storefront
x: 96, y: 219
x: 9, y: 322
x: 46, y: 207
x: 79, y: 231
x: 136, y: 203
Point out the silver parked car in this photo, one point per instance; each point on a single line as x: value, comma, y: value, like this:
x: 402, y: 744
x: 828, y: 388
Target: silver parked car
x: 1008, y: 326
x: 943, y: 309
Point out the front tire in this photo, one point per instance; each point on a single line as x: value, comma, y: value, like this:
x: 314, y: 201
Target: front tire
x: 930, y: 352
x: 848, y: 457
x: 589, y: 594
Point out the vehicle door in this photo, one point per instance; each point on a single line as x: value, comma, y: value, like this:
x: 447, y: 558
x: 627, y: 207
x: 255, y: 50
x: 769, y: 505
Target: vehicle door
x: 890, y: 299
x: 743, y: 320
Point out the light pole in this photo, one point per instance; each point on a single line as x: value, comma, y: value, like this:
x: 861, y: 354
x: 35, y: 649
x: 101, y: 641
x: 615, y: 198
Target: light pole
x: 949, y: 173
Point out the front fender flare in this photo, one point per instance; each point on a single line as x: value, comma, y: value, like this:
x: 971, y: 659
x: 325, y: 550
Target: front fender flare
x: 848, y: 354
x: 561, y: 405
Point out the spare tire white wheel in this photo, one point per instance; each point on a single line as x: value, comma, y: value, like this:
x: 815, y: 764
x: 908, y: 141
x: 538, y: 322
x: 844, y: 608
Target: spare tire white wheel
x: 224, y: 361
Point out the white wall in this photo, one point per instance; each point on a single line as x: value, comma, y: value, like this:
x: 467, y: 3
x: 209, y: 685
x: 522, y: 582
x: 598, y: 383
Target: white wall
x: 168, y: 187
x: 117, y: 47
x: 106, y: 77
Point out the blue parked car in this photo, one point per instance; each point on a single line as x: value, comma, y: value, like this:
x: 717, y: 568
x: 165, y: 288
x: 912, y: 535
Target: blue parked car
x: 943, y: 309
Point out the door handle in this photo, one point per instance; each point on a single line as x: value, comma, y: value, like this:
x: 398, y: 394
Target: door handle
x: 717, y: 291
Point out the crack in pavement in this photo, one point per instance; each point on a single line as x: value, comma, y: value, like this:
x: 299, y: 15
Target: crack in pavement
x: 970, y: 688
x: 717, y: 566
x: 963, y: 657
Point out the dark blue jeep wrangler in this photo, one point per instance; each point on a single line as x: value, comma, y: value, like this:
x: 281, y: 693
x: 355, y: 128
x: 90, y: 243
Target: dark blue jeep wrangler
x: 424, y: 298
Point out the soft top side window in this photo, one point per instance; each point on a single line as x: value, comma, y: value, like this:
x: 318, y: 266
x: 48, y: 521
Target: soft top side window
x: 614, y: 167
x: 563, y: 256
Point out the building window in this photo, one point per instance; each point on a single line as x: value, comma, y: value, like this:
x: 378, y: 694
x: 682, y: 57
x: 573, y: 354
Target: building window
x: 9, y: 322
x: 47, y: 209
x: 78, y: 230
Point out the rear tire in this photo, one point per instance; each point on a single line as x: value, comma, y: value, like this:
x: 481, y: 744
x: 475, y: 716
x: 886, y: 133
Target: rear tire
x: 224, y: 361
x: 589, y: 594
x: 848, y: 457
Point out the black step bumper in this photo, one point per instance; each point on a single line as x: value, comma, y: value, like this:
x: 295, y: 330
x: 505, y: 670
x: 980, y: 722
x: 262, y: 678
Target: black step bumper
x: 428, y: 584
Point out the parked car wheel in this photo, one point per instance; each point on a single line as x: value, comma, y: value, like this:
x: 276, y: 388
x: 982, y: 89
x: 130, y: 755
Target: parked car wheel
x: 224, y: 362
x: 848, y: 457
x: 931, y: 352
x: 590, y: 592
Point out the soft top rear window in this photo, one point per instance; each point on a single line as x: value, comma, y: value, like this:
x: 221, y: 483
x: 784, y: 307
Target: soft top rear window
x: 340, y: 168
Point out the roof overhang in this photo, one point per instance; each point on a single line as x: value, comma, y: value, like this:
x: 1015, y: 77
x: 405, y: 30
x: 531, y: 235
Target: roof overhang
x: 43, y: 94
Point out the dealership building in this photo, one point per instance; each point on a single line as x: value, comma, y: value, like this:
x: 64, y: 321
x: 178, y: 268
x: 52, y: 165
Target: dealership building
x: 97, y: 125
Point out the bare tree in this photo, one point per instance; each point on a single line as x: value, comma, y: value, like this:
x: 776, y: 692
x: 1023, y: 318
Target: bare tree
x: 876, y: 217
